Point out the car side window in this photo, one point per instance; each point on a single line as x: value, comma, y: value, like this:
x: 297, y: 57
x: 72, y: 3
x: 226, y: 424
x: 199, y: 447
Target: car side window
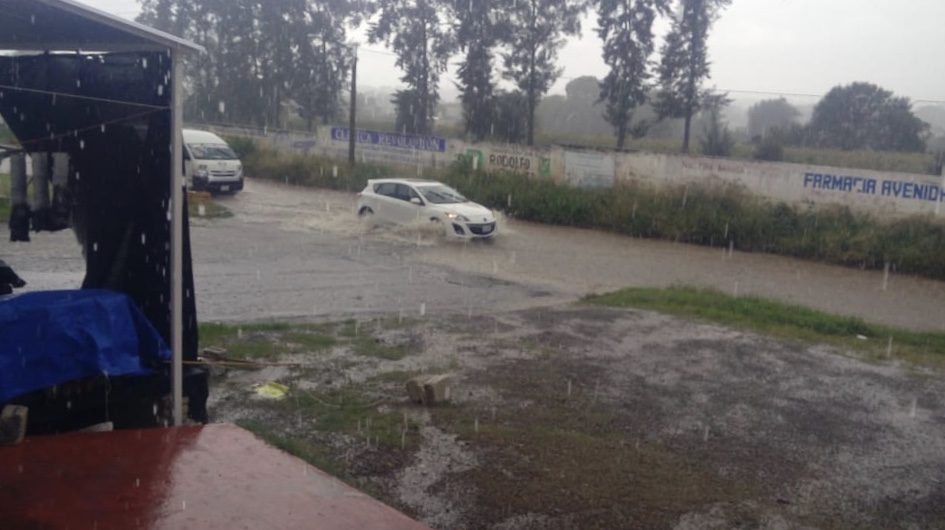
x: 387, y: 189
x: 405, y: 193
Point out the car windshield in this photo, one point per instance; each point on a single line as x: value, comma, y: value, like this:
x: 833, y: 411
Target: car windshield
x: 442, y: 195
x: 212, y: 152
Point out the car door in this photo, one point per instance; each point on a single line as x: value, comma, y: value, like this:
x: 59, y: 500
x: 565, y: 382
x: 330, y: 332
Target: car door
x: 408, y: 211
x: 386, y: 204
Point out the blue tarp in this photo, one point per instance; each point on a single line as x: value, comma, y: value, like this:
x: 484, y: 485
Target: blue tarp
x: 52, y: 337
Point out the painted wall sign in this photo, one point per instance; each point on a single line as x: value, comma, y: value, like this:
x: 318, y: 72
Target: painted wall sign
x: 386, y: 139
x: 887, y: 188
x: 514, y: 161
x: 589, y: 170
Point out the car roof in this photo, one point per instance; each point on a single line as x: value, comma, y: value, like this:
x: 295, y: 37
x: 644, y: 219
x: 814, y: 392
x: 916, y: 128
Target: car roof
x: 415, y: 182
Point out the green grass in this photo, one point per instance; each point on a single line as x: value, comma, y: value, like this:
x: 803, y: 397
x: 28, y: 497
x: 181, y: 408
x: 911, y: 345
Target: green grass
x: 211, y: 210
x: 269, y: 340
x: 781, y: 320
x: 315, y: 454
x: 264, y: 341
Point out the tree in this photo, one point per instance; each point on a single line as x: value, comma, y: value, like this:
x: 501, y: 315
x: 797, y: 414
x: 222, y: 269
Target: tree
x: 536, y: 33
x: 477, y: 35
x: 684, y: 64
x: 626, y: 29
x: 322, y: 64
x: 415, y: 30
x: 716, y: 138
x: 577, y: 113
x: 865, y: 116
x: 260, y: 56
x: 511, y: 119
x: 768, y: 114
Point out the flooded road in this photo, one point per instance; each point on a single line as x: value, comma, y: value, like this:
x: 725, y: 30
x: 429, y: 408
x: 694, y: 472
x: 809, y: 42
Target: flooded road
x: 291, y: 252
x: 570, y: 263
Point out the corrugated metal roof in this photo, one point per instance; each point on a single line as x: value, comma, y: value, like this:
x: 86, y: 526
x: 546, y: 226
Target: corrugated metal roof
x: 66, y: 25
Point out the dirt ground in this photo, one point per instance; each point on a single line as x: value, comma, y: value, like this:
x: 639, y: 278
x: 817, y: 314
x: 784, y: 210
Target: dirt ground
x: 584, y: 417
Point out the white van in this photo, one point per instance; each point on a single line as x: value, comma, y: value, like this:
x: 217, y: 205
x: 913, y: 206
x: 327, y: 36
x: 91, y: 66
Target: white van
x: 210, y: 164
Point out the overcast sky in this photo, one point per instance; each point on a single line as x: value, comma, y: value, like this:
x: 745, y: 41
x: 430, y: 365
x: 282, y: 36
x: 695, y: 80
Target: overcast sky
x: 766, y: 48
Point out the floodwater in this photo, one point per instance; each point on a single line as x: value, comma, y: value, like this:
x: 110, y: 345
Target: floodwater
x: 572, y: 262
x: 291, y: 252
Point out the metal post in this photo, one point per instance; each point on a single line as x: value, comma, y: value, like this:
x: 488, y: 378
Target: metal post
x: 19, y: 199
x: 941, y: 192
x: 353, y: 109
x: 177, y: 242
x: 40, y: 210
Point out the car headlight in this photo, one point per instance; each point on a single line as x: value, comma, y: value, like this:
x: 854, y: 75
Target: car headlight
x: 453, y: 216
x: 202, y: 171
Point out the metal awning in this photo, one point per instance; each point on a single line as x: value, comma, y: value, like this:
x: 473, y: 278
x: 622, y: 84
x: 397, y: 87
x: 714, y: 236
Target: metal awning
x: 40, y: 26
x: 66, y: 25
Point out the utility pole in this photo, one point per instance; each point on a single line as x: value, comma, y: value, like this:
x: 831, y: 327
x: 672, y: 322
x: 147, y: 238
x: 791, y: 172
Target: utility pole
x: 354, y: 108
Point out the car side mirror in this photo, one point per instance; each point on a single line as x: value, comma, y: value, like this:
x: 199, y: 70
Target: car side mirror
x: 416, y: 200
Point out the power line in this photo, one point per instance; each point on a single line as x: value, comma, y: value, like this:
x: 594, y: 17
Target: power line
x: 87, y: 98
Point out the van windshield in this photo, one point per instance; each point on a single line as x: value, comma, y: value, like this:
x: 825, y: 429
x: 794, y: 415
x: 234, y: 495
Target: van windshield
x: 212, y: 152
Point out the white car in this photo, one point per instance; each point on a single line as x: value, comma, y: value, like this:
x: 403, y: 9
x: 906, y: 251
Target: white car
x: 404, y: 201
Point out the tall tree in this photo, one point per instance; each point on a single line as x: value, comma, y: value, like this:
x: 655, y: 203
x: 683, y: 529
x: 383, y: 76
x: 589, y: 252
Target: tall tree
x: 768, y: 114
x: 511, y: 121
x: 477, y: 34
x: 260, y: 55
x: 536, y: 32
x: 684, y: 64
x: 865, y: 116
x: 322, y: 63
x: 417, y: 31
x: 626, y: 29
x: 716, y: 137
x: 575, y: 113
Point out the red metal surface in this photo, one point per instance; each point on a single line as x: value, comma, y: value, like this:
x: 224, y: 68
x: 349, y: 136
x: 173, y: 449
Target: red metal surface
x: 199, y: 477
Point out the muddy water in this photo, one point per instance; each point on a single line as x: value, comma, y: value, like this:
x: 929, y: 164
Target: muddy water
x: 297, y: 252
x: 576, y: 262
x: 581, y: 261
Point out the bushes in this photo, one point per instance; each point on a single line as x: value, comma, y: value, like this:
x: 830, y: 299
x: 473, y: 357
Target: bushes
x: 310, y: 171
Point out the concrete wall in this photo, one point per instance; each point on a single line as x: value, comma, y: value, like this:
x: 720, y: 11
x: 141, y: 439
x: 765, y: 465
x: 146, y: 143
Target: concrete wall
x: 878, y: 192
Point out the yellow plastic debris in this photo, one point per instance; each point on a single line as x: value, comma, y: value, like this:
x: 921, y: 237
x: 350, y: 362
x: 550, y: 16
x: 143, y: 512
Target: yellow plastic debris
x: 272, y: 390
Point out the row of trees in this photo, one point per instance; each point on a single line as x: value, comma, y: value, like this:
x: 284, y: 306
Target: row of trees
x: 265, y: 55
x: 855, y: 116
x: 261, y: 56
